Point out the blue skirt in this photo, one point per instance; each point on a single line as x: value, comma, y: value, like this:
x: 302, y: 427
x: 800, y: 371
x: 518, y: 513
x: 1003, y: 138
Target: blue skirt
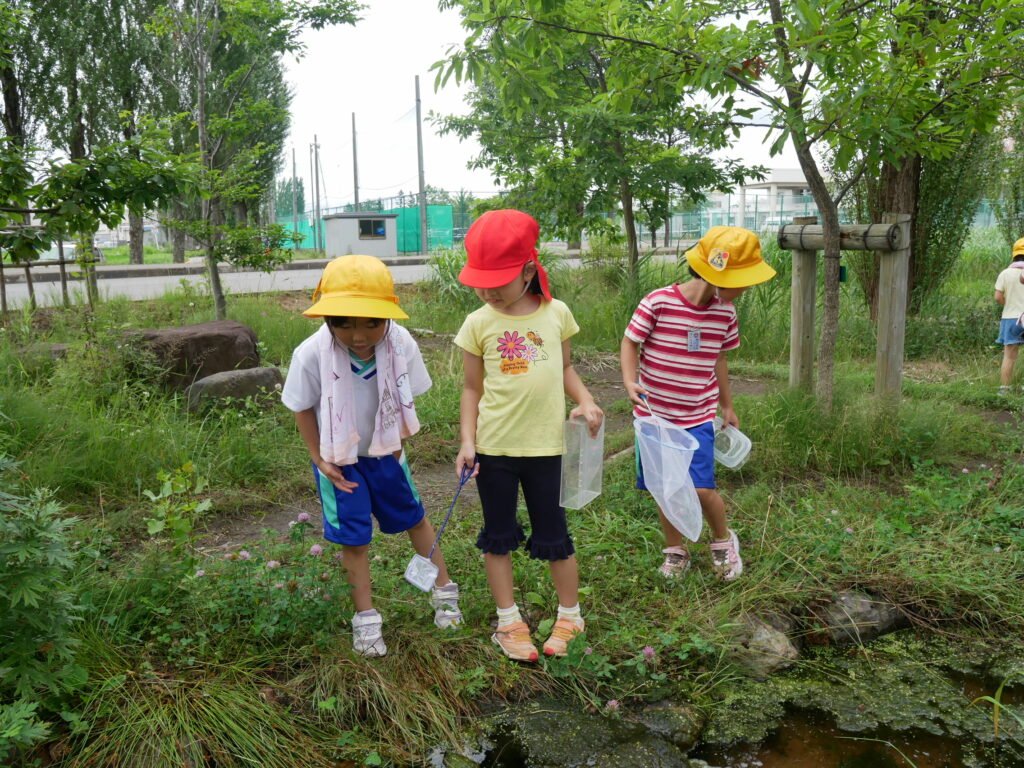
x: 1010, y: 332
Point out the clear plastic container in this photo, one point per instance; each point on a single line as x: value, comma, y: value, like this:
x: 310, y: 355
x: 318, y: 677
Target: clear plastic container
x: 582, y: 464
x: 731, y: 446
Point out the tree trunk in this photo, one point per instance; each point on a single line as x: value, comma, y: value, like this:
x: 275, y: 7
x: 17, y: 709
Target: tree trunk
x: 830, y: 312
x: 629, y: 222
x: 135, y: 235
x: 13, y: 118
x: 899, y: 194
x: 208, y: 204
x: 178, y: 212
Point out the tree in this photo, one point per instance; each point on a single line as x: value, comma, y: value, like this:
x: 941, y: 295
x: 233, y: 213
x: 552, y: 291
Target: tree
x: 247, y: 39
x: 1007, y: 191
x: 857, y: 81
x: 558, y: 129
x: 283, y: 198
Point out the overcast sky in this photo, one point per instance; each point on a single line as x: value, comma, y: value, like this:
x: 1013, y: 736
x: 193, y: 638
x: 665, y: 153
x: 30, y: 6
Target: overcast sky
x: 370, y: 69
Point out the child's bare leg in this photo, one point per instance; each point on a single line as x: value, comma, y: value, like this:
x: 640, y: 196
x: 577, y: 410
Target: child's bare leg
x: 1009, y: 358
x: 499, y: 579
x: 565, y: 575
x: 673, y: 538
x: 357, y: 565
x: 422, y: 537
x: 714, y: 512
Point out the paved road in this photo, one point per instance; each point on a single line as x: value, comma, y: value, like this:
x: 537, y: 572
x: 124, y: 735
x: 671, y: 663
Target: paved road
x: 48, y: 293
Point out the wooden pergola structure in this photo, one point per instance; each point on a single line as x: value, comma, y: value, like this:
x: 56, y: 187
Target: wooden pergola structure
x: 891, y: 240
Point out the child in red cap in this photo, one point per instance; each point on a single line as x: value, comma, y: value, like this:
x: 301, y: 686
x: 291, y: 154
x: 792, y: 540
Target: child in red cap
x: 518, y: 370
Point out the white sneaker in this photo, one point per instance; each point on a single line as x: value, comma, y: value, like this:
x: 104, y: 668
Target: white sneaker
x: 445, y: 601
x: 367, y: 639
x: 725, y: 557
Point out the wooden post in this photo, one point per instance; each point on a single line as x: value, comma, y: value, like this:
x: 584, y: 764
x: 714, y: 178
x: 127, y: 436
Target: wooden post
x: 892, y: 311
x: 63, y: 274
x: 802, y: 305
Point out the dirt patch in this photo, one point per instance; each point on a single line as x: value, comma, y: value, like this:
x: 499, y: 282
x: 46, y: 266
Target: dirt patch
x: 929, y: 371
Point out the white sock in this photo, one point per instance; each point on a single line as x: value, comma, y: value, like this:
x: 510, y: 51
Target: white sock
x: 508, y: 616
x: 448, y: 588
x: 366, y: 614
x: 572, y: 614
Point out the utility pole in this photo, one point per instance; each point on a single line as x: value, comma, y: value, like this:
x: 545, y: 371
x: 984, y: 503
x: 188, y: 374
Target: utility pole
x: 312, y: 201
x: 295, y: 202
x: 316, y: 177
x: 424, y: 246
x: 355, y: 165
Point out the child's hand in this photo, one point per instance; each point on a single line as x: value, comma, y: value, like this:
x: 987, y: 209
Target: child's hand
x: 634, y: 391
x: 592, y: 413
x: 466, y: 460
x: 729, y: 418
x: 332, y: 473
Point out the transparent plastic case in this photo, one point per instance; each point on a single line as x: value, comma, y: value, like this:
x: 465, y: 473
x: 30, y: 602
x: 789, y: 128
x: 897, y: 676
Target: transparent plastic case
x: 732, y: 447
x: 421, y: 573
x: 582, y: 465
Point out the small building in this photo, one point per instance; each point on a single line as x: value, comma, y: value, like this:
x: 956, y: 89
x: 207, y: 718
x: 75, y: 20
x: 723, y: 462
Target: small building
x: 369, y: 233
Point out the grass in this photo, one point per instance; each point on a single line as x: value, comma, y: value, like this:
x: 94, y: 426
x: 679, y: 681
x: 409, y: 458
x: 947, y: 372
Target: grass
x: 201, y: 658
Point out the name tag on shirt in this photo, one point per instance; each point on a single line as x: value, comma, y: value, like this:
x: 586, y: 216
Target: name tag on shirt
x: 693, y: 340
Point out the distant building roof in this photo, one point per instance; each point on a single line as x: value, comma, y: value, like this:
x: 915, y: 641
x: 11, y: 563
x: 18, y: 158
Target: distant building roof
x: 787, y: 178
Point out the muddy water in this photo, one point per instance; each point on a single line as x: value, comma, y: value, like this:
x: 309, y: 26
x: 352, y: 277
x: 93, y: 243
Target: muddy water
x: 810, y: 740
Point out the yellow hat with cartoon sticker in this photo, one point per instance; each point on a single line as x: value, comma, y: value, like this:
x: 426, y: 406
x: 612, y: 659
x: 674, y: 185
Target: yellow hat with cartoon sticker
x: 1018, y: 247
x: 729, y: 257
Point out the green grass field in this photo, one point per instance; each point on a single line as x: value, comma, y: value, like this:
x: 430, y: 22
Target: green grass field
x: 199, y: 634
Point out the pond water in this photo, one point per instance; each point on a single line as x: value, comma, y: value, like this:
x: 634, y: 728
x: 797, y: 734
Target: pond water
x: 811, y: 740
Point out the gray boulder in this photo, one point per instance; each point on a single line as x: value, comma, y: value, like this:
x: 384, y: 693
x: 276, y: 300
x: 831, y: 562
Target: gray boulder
x: 762, y: 649
x: 250, y: 382
x: 189, y: 353
x: 678, y: 724
x: 856, y: 617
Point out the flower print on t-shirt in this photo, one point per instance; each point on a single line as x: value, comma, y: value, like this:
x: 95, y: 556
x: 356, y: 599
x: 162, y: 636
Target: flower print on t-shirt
x: 517, y: 352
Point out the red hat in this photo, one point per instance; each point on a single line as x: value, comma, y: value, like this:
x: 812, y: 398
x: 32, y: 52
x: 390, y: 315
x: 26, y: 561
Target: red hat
x: 498, y: 245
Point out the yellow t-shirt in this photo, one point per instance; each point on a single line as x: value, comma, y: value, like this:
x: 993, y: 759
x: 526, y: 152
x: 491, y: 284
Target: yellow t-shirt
x: 1013, y: 292
x: 523, y: 403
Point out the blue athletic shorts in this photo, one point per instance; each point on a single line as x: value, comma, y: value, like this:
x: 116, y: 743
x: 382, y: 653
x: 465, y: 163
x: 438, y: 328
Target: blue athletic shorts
x: 385, y: 491
x: 1010, y: 332
x: 702, y: 466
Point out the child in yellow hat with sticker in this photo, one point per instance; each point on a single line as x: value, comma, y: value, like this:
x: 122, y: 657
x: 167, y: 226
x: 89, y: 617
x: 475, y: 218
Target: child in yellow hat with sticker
x: 673, y: 358
x: 1010, y: 294
x: 351, y: 386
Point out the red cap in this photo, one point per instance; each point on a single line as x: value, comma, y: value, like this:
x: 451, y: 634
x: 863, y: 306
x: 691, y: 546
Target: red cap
x: 498, y: 245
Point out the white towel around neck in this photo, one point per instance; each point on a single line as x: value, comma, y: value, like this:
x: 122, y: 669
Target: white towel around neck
x: 396, y: 413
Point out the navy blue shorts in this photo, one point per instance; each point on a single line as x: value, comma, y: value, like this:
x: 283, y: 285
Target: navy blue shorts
x: 1010, y: 332
x: 498, y: 485
x: 385, y: 491
x: 702, y: 466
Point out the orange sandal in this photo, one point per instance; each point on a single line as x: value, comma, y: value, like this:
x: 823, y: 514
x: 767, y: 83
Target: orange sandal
x: 514, y: 641
x: 561, y: 634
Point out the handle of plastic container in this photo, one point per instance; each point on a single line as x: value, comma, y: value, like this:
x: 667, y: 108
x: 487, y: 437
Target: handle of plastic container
x: 466, y: 474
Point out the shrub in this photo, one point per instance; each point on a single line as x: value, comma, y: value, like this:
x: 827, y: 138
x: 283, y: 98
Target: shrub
x: 37, y: 611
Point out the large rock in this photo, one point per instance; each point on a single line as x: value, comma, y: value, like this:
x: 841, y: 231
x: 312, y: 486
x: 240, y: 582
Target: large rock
x: 856, y: 617
x: 238, y: 385
x: 763, y: 649
x: 679, y: 724
x: 194, y: 352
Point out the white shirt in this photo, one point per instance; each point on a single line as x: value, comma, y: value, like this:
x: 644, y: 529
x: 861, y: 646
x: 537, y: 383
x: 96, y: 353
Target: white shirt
x: 1013, y: 292
x: 302, y: 385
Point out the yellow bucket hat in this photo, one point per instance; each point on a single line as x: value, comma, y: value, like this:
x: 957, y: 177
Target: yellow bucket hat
x: 729, y: 257
x: 356, y: 286
x: 1018, y: 248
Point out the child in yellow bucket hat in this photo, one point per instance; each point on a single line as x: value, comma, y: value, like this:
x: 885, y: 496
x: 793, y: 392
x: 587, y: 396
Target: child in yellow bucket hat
x: 674, y: 365
x: 1010, y: 294
x: 351, y: 386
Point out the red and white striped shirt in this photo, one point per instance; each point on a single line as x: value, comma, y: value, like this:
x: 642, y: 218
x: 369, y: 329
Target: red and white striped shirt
x: 680, y: 343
